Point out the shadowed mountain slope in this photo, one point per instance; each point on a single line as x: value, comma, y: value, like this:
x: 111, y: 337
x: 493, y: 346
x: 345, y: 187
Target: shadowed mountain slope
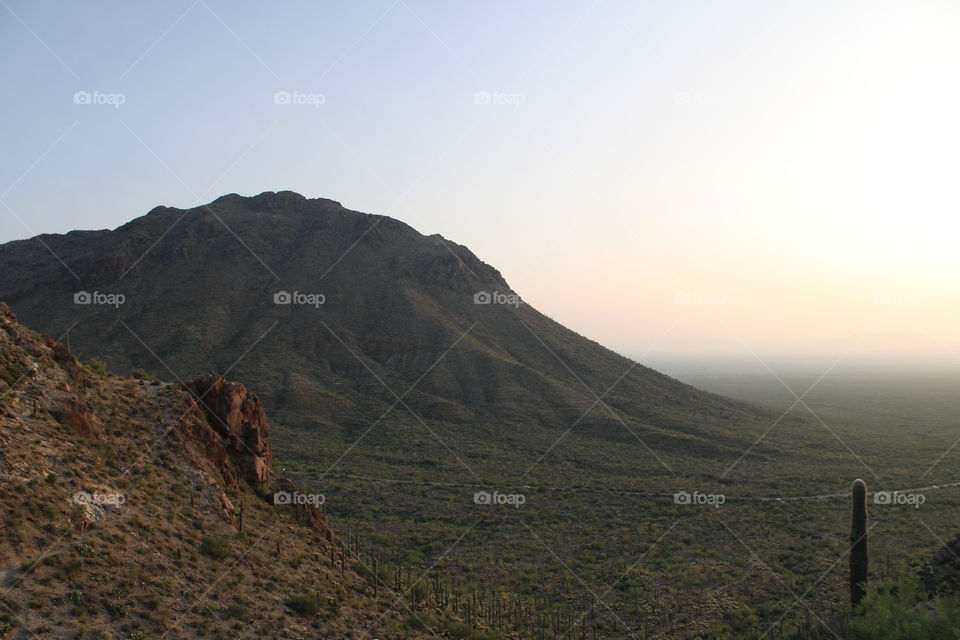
x: 398, y: 319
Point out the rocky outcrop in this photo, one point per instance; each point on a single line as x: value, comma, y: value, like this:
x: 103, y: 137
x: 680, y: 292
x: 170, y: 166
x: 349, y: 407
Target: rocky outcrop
x: 205, y: 446
x: 30, y: 369
x: 77, y: 416
x: 237, y: 433
x: 227, y: 434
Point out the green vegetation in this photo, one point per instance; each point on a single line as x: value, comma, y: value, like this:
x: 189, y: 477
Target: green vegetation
x: 216, y: 547
x: 98, y: 366
x: 235, y: 610
x: 898, y: 610
x: 306, y: 604
x: 139, y: 373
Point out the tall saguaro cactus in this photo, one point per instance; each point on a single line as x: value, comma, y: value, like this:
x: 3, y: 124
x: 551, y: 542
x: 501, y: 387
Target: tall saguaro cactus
x: 858, y: 543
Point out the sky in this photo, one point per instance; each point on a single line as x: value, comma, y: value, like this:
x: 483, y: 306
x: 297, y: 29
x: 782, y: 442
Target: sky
x: 742, y: 179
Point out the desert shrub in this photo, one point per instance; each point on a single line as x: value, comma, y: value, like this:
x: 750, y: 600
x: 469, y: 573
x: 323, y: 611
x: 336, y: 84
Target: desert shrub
x: 83, y: 548
x: 139, y: 373
x: 899, y: 610
x: 68, y: 569
x: 116, y: 608
x: 216, y: 547
x: 307, y: 604
x: 235, y: 610
x: 415, y: 622
x: 98, y: 366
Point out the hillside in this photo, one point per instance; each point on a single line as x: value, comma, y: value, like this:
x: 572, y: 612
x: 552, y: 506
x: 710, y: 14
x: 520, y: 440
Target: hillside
x: 137, y: 509
x: 398, y: 313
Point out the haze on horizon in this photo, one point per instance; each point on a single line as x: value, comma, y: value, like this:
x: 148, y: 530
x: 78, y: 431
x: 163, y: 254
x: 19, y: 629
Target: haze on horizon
x: 746, y: 181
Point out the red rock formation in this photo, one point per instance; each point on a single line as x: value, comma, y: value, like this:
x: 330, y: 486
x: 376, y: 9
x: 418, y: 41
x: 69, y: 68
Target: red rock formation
x: 236, y: 417
x: 77, y: 416
x: 205, y: 445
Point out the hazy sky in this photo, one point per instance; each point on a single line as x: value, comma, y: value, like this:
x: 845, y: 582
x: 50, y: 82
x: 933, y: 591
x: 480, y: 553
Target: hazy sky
x: 791, y: 167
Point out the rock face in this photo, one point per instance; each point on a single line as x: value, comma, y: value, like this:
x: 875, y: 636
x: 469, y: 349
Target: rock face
x: 78, y: 416
x: 227, y: 425
x: 30, y: 364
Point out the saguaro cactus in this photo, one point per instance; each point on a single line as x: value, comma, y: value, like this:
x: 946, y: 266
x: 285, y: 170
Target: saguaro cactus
x: 858, y: 543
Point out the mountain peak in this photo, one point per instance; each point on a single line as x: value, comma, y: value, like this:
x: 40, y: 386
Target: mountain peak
x: 274, y: 200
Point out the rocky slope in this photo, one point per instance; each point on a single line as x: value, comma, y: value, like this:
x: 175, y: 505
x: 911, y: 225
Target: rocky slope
x: 135, y: 509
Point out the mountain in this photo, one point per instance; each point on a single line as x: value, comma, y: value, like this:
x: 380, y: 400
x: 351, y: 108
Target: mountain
x: 408, y: 383
x: 136, y: 509
x: 381, y: 316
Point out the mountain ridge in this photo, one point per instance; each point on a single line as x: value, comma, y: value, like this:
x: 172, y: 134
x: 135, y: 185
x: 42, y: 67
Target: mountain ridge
x: 398, y: 311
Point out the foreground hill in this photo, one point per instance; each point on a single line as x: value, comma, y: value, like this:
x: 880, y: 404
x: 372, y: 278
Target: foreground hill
x: 381, y: 312
x: 136, y: 509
